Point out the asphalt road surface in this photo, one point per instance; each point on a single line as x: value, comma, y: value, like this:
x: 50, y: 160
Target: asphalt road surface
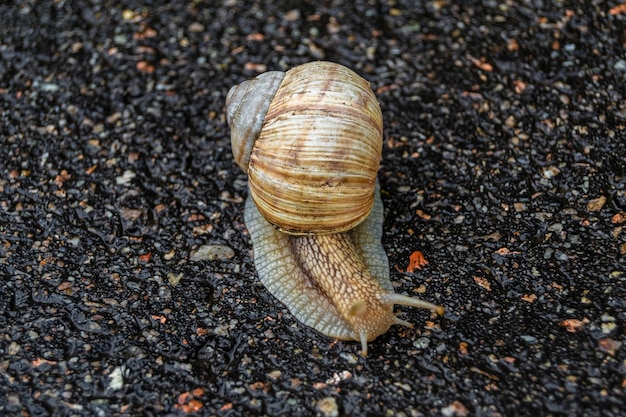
x: 126, y: 272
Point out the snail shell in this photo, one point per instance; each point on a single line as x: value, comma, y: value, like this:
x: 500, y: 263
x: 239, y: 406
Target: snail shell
x: 312, y: 159
x: 311, y: 140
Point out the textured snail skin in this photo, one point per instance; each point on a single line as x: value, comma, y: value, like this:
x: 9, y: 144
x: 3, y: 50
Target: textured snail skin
x: 337, y: 284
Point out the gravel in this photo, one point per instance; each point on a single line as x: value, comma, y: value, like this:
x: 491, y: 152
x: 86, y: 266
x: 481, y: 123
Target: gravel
x: 126, y: 269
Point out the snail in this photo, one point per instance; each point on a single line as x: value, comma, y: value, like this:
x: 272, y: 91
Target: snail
x: 310, y: 140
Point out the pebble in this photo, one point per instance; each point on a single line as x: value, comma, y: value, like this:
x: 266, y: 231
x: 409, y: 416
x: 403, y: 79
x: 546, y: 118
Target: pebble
x: 212, y: 253
x: 328, y: 407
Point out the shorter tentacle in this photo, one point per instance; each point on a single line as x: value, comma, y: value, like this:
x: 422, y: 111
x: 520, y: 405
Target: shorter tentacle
x: 363, y: 337
x: 399, y: 321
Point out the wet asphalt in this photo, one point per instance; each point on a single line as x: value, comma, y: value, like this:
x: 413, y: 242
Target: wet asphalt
x: 126, y: 272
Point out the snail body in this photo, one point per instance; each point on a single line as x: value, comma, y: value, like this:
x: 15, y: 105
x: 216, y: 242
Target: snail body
x: 310, y: 140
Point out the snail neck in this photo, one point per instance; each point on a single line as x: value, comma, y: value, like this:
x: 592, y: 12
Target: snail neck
x: 338, y: 273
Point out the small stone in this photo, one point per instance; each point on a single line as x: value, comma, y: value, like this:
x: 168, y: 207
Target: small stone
x: 455, y: 409
x: 117, y: 378
x: 14, y: 347
x: 328, y: 407
x: 620, y: 65
x: 47, y: 87
x: 275, y: 375
x: 196, y: 27
x: 125, y: 178
x: 212, y: 253
x: 596, y: 204
x: 174, y: 279
x: 421, y: 342
x: 609, y: 346
x: 351, y: 358
x: 608, y: 327
x: 550, y: 172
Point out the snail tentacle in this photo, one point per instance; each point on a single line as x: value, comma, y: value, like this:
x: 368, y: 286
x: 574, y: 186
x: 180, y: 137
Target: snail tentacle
x: 363, y: 337
x: 401, y: 322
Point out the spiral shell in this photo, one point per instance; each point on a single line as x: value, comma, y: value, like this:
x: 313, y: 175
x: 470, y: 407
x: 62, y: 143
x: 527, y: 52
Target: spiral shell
x: 312, y: 165
x: 246, y: 106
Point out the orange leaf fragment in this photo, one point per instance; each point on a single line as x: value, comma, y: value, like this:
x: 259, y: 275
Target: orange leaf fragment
x: 257, y: 37
x: 146, y: 33
x: 512, y: 45
x: 144, y: 66
x: 160, y: 319
x: 482, y: 64
x: 483, y: 283
x: 91, y: 169
x: 40, y: 361
x: 252, y: 66
x: 193, y: 406
x: 61, y: 178
x: 201, y: 331
x: 431, y: 325
x: 145, y: 257
x: 257, y: 385
x: 520, y: 86
x: 506, y: 251
x: 187, y: 403
x: 385, y: 88
x: 619, y: 9
x: 416, y: 260
x: 574, y: 325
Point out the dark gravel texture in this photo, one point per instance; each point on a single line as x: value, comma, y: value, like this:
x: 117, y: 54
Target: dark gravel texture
x: 504, y: 163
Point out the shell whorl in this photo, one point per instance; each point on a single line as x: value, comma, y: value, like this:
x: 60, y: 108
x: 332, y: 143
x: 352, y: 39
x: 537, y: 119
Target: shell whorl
x: 246, y: 106
x: 313, y: 166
